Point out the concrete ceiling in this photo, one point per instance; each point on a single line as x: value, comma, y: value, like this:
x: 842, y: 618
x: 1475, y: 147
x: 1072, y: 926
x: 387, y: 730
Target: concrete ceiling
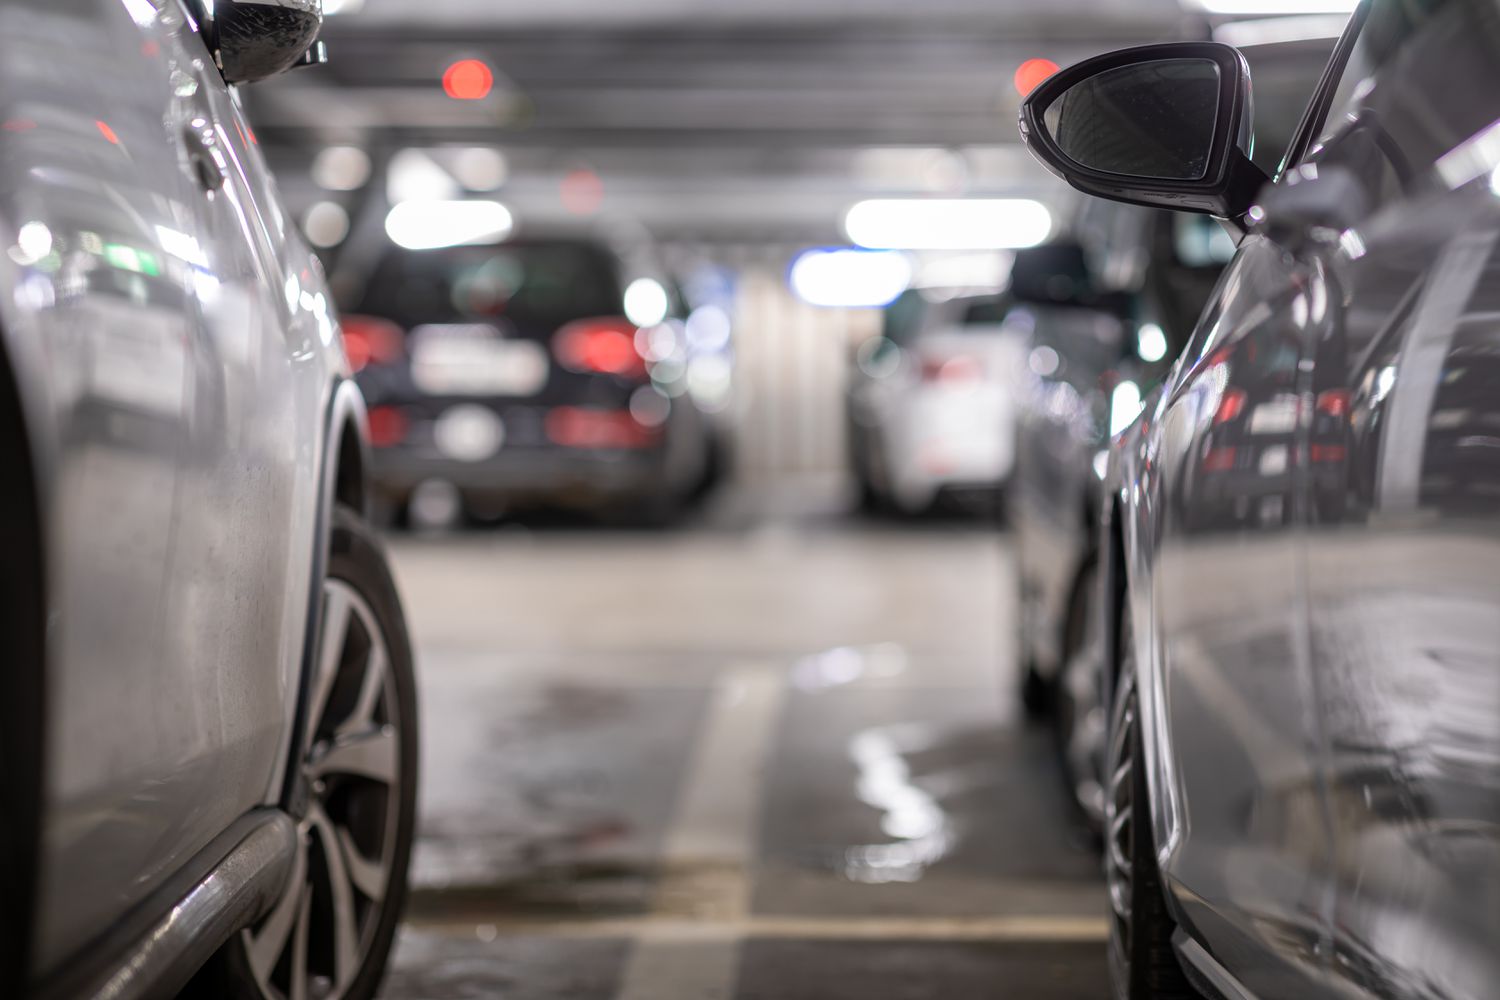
x: 704, y: 118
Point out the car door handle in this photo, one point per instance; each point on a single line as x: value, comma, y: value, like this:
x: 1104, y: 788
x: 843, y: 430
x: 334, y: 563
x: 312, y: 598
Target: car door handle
x: 205, y: 159
x: 1313, y: 204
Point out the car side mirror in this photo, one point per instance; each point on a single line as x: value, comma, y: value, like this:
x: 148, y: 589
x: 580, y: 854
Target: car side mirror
x: 1161, y: 125
x: 256, y: 39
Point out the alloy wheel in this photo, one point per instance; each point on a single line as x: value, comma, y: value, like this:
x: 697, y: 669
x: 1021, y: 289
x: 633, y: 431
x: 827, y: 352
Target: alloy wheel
x: 314, y: 942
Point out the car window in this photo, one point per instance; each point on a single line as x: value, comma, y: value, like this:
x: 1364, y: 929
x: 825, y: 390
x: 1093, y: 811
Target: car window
x: 1417, y: 83
x: 903, y: 318
x: 537, y: 287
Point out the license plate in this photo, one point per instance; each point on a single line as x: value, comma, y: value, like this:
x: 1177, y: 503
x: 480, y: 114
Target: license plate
x: 474, y: 360
x: 468, y: 433
x: 1276, y: 417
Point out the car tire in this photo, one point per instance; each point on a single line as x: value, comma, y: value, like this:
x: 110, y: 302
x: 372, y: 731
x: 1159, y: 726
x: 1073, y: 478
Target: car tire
x: 1079, y: 718
x: 352, y: 794
x: 1142, y: 962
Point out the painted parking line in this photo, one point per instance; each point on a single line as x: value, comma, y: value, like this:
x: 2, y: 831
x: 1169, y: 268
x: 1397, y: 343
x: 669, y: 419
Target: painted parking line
x: 671, y: 932
x: 706, y: 856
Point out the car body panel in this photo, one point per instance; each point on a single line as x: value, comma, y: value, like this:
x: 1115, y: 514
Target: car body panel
x: 177, y: 392
x: 1319, y: 633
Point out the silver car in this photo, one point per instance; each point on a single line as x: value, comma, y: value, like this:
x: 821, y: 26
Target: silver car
x: 206, y: 697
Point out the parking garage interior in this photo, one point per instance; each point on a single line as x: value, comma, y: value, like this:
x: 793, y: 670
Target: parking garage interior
x: 767, y: 729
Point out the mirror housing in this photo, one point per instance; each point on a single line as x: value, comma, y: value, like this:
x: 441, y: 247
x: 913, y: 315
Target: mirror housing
x: 256, y: 39
x: 1226, y: 184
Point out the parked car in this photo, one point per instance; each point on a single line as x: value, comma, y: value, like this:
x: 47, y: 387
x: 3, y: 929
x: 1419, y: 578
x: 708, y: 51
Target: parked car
x: 1156, y: 270
x: 544, y: 370
x: 206, y: 709
x: 931, y: 402
x: 1302, y: 525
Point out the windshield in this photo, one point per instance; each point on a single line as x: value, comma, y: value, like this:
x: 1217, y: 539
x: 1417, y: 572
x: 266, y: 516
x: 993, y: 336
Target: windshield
x: 537, y: 287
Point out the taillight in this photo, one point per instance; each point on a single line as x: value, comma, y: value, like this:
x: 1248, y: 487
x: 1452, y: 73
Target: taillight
x: 371, y: 340
x: 1334, y: 402
x: 1231, y: 405
x: 605, y: 346
x: 1219, y: 460
x: 961, y: 369
x: 387, y: 426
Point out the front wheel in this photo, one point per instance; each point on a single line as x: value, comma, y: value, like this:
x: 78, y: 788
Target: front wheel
x: 1142, y: 962
x: 353, y: 796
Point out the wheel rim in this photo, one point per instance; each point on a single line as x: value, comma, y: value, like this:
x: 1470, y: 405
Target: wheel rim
x: 1119, y: 805
x: 316, y: 939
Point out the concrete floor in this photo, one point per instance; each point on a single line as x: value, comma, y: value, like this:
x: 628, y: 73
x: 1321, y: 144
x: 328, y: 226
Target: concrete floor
x: 774, y: 755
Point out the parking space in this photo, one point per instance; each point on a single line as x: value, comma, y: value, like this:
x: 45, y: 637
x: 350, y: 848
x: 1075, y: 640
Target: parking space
x: 810, y: 778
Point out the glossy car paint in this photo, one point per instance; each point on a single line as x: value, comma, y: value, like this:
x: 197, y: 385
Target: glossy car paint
x: 177, y: 359
x: 1310, y: 571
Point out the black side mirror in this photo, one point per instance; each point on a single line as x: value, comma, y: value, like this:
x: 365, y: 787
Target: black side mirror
x: 1161, y: 125
x: 254, y: 39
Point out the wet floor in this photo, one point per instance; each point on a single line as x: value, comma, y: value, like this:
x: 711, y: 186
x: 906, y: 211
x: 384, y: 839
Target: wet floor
x: 775, y: 755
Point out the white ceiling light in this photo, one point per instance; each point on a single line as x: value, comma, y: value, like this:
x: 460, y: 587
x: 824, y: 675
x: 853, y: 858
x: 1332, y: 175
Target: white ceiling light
x: 948, y: 224
x: 850, y: 278
x: 332, y: 7
x: 1274, y: 6
x: 326, y: 224
x: 429, y: 225
x: 341, y: 168
x: 1280, y: 30
x: 479, y: 168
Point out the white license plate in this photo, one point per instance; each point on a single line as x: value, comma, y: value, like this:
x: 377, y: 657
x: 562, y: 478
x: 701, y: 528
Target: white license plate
x: 475, y: 361
x: 1276, y: 417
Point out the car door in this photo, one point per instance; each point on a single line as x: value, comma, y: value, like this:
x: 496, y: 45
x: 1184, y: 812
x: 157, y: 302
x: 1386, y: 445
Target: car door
x: 238, y: 591
x: 1401, y: 428
x: 101, y: 325
x: 1244, y: 839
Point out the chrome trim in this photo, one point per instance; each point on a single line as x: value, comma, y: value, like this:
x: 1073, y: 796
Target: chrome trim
x: 218, y: 893
x: 1199, y: 961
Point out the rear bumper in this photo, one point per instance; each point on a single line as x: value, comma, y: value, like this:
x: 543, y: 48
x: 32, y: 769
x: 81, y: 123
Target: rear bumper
x: 550, y: 474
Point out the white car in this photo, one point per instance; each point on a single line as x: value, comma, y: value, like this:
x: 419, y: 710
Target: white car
x: 932, y: 402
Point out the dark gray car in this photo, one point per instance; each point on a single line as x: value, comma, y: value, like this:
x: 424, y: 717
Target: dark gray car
x: 1302, y: 528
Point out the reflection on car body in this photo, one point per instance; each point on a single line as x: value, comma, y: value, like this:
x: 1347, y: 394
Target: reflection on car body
x: 203, y: 747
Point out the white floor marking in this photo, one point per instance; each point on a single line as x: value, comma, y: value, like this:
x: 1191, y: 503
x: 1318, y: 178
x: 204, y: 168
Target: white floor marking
x: 675, y: 934
x: 704, y: 889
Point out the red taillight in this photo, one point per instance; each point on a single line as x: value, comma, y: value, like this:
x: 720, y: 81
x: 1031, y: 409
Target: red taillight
x: 578, y: 427
x: 1218, y: 460
x: 387, y: 426
x: 1334, y: 402
x: 1328, y: 453
x: 605, y: 346
x: 1231, y: 405
x: 371, y: 340
x: 952, y: 370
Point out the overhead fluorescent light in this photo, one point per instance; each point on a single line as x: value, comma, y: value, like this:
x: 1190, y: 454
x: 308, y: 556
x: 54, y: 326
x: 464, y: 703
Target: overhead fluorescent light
x: 1274, y: 6
x: 1280, y: 30
x: 849, y: 278
x: 430, y: 225
x: 948, y: 224
x: 332, y: 7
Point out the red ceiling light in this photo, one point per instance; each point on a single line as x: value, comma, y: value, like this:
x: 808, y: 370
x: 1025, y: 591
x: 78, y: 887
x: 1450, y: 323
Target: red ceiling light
x: 1032, y: 73
x: 468, y: 80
